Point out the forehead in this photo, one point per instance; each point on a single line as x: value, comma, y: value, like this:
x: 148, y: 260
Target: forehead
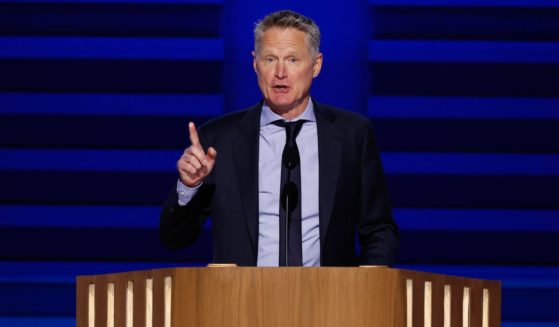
x: 283, y: 39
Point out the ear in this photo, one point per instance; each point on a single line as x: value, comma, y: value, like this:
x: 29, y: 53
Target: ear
x: 317, y: 66
x: 254, y: 62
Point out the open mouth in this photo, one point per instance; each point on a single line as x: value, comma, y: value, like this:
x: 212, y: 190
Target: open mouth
x: 281, y: 88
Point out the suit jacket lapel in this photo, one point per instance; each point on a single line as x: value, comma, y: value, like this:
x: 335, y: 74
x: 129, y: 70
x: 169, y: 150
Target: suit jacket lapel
x: 329, y: 156
x: 245, y: 156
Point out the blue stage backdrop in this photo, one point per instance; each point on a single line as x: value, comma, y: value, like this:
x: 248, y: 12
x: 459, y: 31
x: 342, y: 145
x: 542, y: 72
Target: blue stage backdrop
x: 95, y: 96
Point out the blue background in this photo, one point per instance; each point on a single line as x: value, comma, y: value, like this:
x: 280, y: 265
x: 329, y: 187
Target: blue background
x: 95, y: 96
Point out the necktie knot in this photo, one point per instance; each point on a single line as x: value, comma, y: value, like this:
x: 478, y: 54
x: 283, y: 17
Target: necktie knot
x: 292, y: 129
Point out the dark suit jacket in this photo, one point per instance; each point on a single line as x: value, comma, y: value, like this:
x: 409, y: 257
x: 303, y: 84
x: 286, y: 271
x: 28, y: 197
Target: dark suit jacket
x: 352, y: 192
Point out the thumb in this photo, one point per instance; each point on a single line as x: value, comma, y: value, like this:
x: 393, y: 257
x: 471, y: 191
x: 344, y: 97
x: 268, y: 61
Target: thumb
x: 212, y: 153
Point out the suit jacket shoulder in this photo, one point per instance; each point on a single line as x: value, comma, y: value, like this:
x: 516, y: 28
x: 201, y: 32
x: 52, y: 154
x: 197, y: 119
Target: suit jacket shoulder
x: 231, y: 123
x: 341, y: 117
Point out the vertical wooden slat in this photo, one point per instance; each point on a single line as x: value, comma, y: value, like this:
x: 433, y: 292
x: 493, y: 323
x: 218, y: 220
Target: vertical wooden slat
x: 447, y: 306
x: 129, y: 303
x: 91, y: 305
x: 101, y: 301
x: 149, y: 302
x: 485, y: 308
x: 409, y: 302
x: 168, y: 296
x: 427, y: 303
x: 110, y: 304
x: 466, y: 307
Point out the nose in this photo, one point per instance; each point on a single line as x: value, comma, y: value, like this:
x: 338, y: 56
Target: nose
x: 280, y: 71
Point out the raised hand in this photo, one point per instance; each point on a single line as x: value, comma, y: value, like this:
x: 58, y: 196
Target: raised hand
x: 194, y: 165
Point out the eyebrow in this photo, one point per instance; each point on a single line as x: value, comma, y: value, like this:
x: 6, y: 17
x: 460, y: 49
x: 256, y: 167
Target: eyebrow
x: 289, y: 54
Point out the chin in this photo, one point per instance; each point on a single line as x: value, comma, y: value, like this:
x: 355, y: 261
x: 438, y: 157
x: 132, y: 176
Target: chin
x: 284, y: 108
x: 282, y: 104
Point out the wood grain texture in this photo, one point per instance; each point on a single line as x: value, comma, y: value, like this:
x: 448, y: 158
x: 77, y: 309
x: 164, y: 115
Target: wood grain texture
x: 292, y: 296
x: 139, y: 278
x: 476, y: 298
x: 101, y: 300
x: 418, y: 301
x: 158, y: 298
x: 438, y: 302
x: 457, y: 295
x: 120, y: 300
x: 286, y: 297
x: 494, y: 288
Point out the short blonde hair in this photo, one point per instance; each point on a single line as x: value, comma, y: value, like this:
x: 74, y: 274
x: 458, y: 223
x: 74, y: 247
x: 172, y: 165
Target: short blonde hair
x: 289, y: 19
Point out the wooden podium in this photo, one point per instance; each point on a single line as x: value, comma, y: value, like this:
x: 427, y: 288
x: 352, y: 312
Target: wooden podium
x: 293, y: 296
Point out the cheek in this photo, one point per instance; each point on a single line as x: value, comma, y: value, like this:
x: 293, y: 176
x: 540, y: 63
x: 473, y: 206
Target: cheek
x: 263, y: 85
x: 305, y: 81
x: 264, y: 77
x: 261, y: 76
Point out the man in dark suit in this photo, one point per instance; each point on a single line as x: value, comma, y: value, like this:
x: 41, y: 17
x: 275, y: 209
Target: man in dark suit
x: 289, y: 181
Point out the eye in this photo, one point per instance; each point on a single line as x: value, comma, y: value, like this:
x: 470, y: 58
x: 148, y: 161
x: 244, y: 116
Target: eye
x: 269, y: 60
x: 293, y: 60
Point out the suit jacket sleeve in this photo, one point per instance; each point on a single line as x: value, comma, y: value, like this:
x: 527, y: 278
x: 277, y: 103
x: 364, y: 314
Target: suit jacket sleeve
x: 181, y: 225
x: 376, y: 228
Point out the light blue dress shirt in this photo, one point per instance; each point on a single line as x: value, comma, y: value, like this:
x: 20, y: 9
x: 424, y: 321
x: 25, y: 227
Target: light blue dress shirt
x: 271, y: 144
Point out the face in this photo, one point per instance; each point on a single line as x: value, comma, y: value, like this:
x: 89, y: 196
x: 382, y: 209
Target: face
x: 285, y: 70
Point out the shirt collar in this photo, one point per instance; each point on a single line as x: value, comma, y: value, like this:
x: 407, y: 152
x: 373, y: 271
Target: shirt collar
x: 268, y: 116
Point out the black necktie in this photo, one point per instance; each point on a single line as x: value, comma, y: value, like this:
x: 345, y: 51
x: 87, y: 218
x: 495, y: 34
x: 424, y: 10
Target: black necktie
x: 291, y: 249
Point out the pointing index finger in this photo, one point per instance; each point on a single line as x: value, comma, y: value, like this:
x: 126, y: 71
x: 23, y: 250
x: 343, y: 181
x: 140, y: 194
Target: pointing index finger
x: 194, y: 140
